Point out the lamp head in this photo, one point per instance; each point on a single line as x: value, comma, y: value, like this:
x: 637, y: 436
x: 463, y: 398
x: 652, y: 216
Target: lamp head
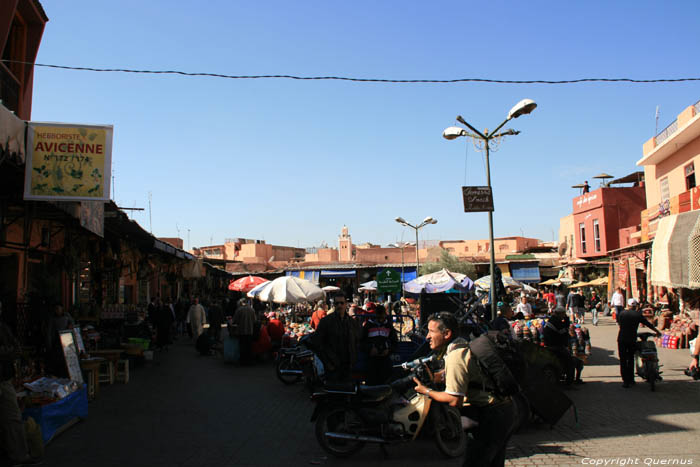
x: 400, y: 220
x: 453, y: 132
x: 429, y: 220
x: 523, y: 107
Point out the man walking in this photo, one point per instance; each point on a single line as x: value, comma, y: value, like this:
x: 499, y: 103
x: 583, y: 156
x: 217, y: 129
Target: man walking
x: 618, y: 301
x: 197, y: 318
x: 595, y: 307
x: 244, y: 320
x: 629, y: 320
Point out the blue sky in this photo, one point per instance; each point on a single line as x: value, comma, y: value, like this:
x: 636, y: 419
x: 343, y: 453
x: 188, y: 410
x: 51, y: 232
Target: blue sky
x: 293, y: 161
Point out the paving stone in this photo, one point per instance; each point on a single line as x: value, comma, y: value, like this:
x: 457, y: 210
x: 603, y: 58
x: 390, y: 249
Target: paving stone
x: 186, y: 410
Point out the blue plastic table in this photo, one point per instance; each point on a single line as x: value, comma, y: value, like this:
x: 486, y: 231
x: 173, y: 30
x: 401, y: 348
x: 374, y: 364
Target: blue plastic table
x: 53, y: 418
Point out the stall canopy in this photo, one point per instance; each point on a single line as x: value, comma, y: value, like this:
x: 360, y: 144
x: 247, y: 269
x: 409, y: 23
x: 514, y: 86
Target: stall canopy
x: 694, y: 256
x: 289, y: 289
x: 338, y: 273
x: 670, y: 251
x: 440, y: 281
x: 525, y: 272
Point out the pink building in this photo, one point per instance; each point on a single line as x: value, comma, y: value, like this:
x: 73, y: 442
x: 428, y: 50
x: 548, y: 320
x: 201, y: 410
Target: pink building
x: 599, y: 216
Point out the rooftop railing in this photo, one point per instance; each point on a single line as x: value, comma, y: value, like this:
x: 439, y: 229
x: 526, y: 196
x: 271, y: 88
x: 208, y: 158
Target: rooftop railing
x: 666, y: 133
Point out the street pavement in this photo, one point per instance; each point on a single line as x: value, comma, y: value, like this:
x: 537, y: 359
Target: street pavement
x: 187, y: 410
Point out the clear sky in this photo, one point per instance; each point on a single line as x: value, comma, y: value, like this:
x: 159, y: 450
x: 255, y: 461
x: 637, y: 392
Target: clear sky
x: 292, y: 161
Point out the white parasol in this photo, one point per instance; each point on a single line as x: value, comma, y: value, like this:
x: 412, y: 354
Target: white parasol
x: 289, y: 289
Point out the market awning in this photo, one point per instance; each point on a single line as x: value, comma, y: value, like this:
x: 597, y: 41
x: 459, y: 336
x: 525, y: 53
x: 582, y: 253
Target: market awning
x: 308, y: 275
x: 338, y: 273
x: 525, y: 272
x: 694, y: 256
x: 670, y: 250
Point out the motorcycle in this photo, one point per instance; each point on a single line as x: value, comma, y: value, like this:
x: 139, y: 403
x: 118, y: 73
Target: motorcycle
x: 349, y: 415
x: 647, y: 360
x: 296, y: 363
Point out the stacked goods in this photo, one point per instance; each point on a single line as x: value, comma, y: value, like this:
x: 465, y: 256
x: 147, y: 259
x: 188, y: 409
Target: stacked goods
x: 297, y: 330
x: 529, y: 330
x: 679, y: 333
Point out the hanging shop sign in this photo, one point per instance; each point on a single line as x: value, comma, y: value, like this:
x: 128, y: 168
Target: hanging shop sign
x: 68, y: 162
x: 477, y: 198
x: 388, y: 280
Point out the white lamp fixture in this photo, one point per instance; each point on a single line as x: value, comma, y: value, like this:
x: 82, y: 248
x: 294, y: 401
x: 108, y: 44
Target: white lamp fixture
x: 523, y: 107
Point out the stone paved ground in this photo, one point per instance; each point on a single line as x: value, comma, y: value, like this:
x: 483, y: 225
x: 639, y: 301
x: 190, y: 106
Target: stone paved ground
x: 185, y: 410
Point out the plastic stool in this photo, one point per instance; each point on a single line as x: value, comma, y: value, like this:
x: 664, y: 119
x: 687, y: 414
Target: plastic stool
x: 123, y: 371
x: 106, y: 372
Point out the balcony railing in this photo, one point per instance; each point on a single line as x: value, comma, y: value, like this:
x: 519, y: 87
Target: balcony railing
x: 9, y: 89
x: 666, y: 133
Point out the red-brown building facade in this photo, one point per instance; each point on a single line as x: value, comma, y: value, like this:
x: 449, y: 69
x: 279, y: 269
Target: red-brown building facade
x: 599, y: 216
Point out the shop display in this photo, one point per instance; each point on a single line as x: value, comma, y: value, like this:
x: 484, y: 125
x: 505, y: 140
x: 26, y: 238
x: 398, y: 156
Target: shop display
x: 45, y: 388
x: 678, y: 333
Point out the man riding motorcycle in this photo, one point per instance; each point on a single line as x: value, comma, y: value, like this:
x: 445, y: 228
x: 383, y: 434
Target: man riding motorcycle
x: 465, y: 384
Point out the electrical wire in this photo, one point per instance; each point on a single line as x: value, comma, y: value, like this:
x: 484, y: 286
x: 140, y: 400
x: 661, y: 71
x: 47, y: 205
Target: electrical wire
x: 360, y: 80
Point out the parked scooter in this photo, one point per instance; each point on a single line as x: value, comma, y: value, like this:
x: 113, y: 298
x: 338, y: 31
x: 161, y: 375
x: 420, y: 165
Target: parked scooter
x: 349, y: 415
x: 299, y: 363
x: 647, y: 360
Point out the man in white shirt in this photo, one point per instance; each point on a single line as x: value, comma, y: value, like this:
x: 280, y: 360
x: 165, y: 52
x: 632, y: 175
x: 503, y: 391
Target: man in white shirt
x: 524, y: 308
x: 618, y: 301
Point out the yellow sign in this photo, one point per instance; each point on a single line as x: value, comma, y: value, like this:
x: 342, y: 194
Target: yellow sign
x: 68, y: 162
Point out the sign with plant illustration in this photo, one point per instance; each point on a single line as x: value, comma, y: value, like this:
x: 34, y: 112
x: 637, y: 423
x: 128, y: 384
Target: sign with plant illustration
x: 68, y: 162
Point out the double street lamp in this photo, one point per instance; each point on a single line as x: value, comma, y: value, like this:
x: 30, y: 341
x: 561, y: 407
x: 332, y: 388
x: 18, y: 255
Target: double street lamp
x: 427, y: 221
x: 402, y: 245
x: 523, y: 107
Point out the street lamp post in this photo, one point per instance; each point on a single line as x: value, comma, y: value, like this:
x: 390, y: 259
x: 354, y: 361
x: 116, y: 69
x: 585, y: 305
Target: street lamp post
x: 402, y: 245
x: 428, y: 220
x: 523, y: 107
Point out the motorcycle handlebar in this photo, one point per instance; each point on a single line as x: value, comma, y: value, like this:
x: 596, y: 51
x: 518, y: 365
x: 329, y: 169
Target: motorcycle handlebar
x: 415, y: 363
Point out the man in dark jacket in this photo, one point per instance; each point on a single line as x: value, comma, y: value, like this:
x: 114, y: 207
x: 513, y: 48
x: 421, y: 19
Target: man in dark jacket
x: 336, y: 339
x: 379, y: 340
x: 629, y: 320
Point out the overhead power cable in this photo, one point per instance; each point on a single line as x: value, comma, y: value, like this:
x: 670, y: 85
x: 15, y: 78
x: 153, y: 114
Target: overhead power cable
x: 361, y: 80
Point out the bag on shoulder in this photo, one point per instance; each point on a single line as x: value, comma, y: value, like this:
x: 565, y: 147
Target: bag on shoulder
x: 493, y: 366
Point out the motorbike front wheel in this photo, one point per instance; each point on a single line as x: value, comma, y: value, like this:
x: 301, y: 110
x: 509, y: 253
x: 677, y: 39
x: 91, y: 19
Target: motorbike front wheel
x: 338, y: 420
x: 287, y: 364
x: 650, y: 373
x: 450, y: 437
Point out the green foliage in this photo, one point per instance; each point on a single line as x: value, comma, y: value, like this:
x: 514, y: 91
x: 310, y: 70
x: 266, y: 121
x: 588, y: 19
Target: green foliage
x: 451, y: 263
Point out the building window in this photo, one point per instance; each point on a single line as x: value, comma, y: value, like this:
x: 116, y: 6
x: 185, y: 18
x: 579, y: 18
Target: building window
x: 665, y: 194
x: 582, y: 233
x: 689, y: 176
x: 503, y: 247
x: 466, y: 248
x: 596, y: 234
